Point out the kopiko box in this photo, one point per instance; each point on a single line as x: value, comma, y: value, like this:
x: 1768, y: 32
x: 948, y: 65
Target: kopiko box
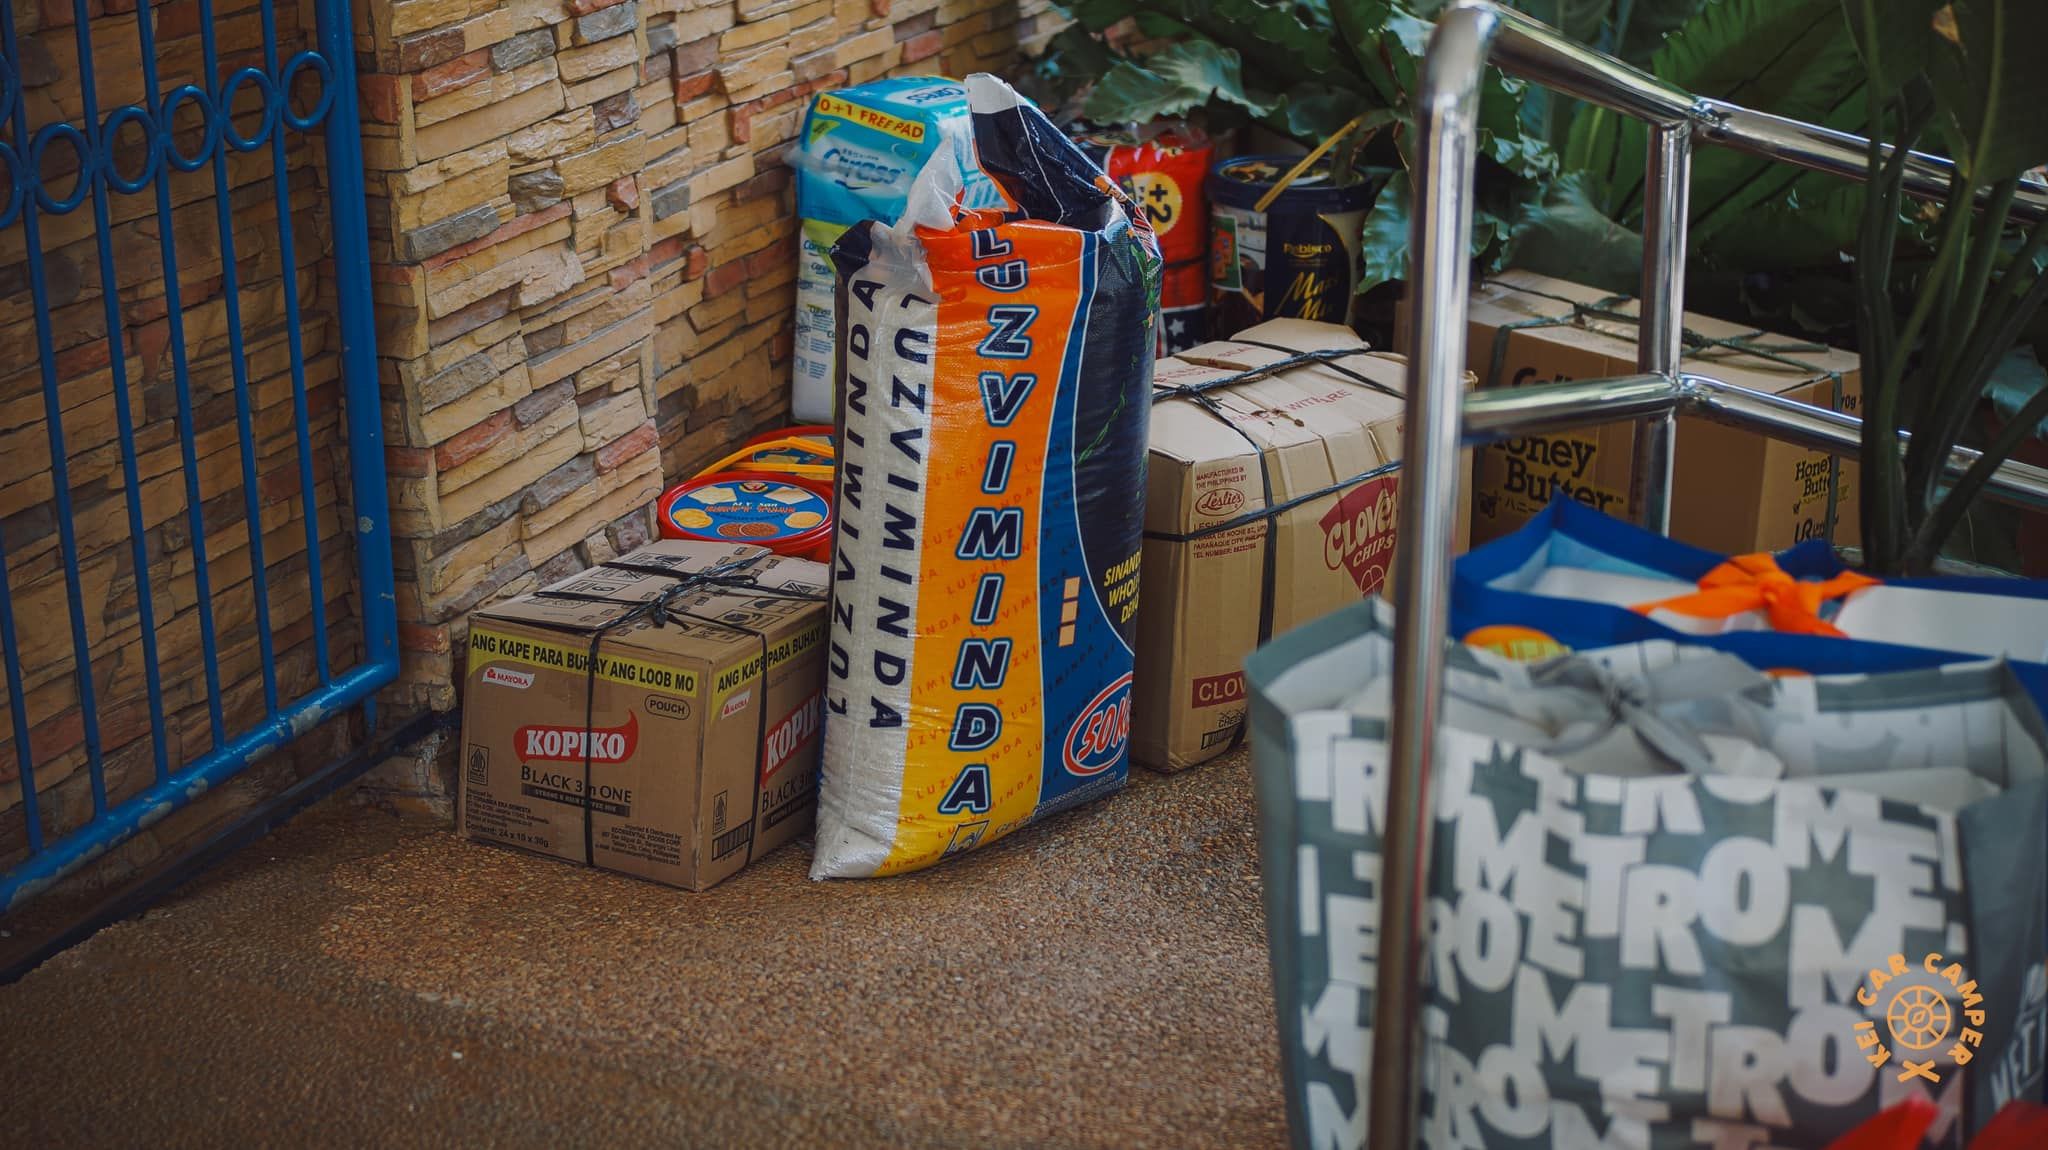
x: 1732, y: 491
x: 1229, y: 560
x: 703, y: 731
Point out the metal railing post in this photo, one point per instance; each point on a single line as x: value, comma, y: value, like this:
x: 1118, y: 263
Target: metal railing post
x: 1447, y: 134
x: 1667, y: 178
x: 1446, y: 111
x: 370, y: 498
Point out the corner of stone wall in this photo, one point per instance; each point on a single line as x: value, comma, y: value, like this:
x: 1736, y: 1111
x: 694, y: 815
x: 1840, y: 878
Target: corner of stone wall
x: 583, y: 248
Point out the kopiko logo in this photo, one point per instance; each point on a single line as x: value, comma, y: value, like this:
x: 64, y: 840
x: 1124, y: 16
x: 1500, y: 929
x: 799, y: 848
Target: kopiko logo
x: 1222, y: 501
x: 565, y: 744
x: 1358, y: 533
x: 505, y: 677
x: 1919, y: 1016
x: 791, y: 735
x: 1096, y: 740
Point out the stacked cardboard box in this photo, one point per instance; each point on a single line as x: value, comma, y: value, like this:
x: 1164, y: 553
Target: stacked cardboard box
x: 685, y: 749
x: 1732, y: 491
x: 1272, y: 495
x: 586, y: 247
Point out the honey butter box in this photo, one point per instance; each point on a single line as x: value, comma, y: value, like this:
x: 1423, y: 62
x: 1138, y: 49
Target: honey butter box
x: 1732, y: 491
x: 700, y: 750
x: 1273, y: 488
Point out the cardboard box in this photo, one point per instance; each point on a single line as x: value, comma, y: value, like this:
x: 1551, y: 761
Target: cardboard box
x: 681, y: 791
x: 1732, y: 491
x: 1329, y: 435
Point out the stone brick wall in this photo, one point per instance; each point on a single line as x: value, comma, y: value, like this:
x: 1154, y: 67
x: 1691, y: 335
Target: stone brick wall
x: 584, y: 244
x: 583, y: 250
x: 83, y: 371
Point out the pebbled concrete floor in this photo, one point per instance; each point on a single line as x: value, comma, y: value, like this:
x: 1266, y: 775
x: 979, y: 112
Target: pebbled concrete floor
x: 357, y: 980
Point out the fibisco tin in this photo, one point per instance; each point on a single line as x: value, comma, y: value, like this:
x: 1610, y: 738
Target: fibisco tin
x: 1298, y: 258
x: 786, y: 514
x: 1162, y: 167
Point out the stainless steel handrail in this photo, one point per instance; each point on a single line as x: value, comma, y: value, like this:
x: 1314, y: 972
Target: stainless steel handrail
x: 1440, y: 416
x: 1543, y: 408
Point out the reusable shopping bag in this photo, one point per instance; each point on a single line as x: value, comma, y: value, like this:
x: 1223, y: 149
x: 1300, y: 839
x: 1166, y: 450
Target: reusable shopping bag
x: 1573, y: 553
x: 2018, y: 1126
x: 1662, y: 887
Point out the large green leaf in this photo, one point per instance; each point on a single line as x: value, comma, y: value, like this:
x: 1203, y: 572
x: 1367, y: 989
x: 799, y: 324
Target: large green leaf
x: 1361, y: 33
x: 1811, y: 227
x: 1385, y: 255
x: 2017, y: 379
x: 1280, y: 43
x: 1789, y: 57
x: 1583, y: 20
x: 1097, y: 15
x: 1629, y: 29
x: 1505, y: 135
x: 1648, y: 23
x: 1072, y: 60
x: 1993, y: 87
x: 1895, y: 39
x: 1567, y: 236
x: 1169, y: 82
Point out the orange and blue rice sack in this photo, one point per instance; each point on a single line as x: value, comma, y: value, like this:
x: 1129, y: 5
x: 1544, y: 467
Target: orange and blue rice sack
x: 996, y: 368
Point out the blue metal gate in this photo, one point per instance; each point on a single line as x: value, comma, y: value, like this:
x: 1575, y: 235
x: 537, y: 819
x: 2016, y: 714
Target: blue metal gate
x: 152, y: 649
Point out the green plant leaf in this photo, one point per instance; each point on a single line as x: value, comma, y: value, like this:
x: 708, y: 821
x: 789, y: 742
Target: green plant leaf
x: 1895, y: 39
x: 1649, y: 22
x: 1789, y: 57
x: 2017, y: 379
x: 1582, y: 20
x: 1385, y: 249
x: 1567, y: 236
x: 1993, y: 86
x: 1278, y: 42
x: 1072, y: 60
x: 1174, y: 80
x: 1810, y: 227
x: 1385, y: 255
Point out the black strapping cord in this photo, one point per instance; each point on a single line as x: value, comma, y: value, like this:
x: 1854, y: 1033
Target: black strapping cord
x: 1333, y: 365
x: 662, y: 610
x: 1275, y: 510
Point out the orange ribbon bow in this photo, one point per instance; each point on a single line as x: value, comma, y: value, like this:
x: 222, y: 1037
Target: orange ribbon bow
x: 1756, y: 582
